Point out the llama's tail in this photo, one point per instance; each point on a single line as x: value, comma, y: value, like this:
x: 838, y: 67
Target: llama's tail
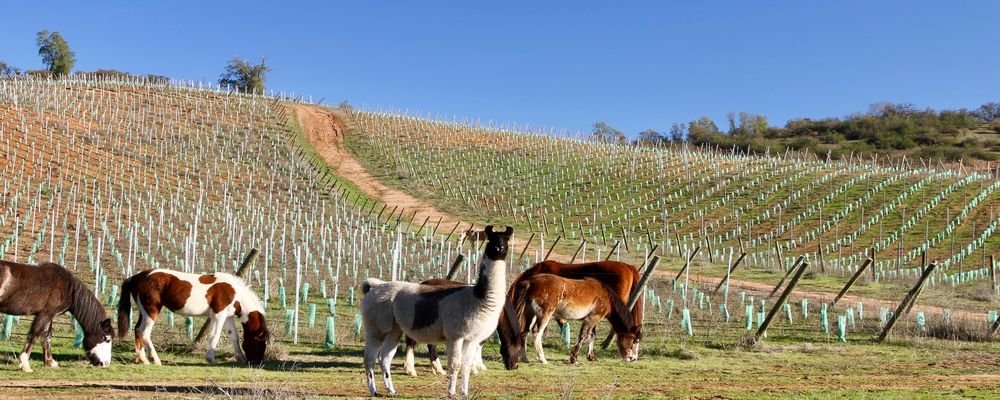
x: 125, y: 304
x: 367, y: 285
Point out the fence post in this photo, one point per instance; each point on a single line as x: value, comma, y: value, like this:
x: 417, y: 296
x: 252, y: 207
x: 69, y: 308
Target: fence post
x: 733, y: 268
x: 910, y: 298
x: 787, y: 273
x: 850, y: 282
x: 781, y: 301
x: 687, y: 263
x: 454, y: 267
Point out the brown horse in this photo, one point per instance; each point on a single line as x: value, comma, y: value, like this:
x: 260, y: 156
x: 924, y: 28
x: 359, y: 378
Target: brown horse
x: 45, y: 291
x: 618, y: 276
x: 546, y: 296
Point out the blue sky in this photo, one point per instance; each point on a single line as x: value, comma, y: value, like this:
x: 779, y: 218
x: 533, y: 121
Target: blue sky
x: 562, y: 65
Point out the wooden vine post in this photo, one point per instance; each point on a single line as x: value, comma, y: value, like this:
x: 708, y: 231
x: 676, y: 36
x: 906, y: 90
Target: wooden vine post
x: 781, y: 301
x: 731, y: 269
x: 242, y: 271
x: 787, y: 273
x: 850, y: 282
x: 904, y: 306
x: 454, y: 267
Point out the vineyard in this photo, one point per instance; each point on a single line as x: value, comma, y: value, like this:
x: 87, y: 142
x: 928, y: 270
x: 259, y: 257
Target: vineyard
x: 111, y: 177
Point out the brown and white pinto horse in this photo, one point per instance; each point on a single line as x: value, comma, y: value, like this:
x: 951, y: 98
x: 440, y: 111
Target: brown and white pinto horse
x: 45, y: 291
x: 618, y: 276
x: 546, y: 296
x: 220, y: 297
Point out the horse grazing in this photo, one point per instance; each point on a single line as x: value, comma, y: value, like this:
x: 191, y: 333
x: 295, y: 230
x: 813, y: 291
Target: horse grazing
x: 220, y: 297
x: 408, y: 365
x: 45, y: 291
x: 462, y: 316
x: 546, y: 296
x: 618, y: 276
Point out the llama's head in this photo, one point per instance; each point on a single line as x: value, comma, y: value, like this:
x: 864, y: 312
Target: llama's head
x: 497, y: 243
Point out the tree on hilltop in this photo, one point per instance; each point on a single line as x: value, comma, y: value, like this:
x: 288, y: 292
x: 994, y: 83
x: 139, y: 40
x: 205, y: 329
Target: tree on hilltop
x: 244, y: 76
x: 603, y: 132
x: 55, y: 53
x: 7, y: 70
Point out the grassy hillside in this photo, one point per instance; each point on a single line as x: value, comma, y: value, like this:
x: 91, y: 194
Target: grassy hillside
x: 112, y: 177
x: 836, y: 213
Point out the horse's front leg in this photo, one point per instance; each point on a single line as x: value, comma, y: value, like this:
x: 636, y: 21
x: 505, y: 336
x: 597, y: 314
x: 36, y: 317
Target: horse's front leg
x: 214, y: 331
x: 47, y: 347
x: 234, y: 338
x: 38, y: 328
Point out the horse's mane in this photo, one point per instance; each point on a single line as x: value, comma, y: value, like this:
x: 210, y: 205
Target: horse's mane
x: 246, y: 295
x: 85, y: 307
x: 621, y: 318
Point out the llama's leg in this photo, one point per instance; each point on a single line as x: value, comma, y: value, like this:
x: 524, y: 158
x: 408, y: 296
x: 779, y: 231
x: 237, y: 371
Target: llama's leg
x: 408, y: 366
x: 539, y: 336
x: 214, y: 332
x: 468, y: 357
x: 234, y: 338
x: 454, y: 350
x: 436, y: 368
x: 388, y: 350
x: 38, y: 327
x: 47, y: 347
x: 372, y: 343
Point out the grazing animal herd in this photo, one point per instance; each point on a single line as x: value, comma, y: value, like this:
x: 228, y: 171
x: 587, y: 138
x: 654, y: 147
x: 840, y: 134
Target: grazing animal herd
x: 437, y: 311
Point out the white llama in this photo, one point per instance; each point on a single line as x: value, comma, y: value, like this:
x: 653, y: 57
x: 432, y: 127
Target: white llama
x: 461, y: 317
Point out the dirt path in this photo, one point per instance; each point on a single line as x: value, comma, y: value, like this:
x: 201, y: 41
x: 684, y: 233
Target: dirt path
x: 326, y: 134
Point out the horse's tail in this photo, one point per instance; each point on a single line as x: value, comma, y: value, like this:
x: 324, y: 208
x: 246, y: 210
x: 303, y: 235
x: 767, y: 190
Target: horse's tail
x: 520, y: 305
x: 125, y: 304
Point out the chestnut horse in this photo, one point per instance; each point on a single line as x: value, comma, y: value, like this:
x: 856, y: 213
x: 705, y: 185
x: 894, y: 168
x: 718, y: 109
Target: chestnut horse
x: 546, y: 296
x: 618, y: 276
x: 45, y: 291
x: 219, y: 296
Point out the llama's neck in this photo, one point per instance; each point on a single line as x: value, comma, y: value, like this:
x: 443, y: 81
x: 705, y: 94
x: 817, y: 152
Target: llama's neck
x: 492, y: 283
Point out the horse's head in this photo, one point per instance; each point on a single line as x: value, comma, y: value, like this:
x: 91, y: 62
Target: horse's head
x: 497, y: 243
x: 98, y: 344
x: 255, y: 338
x: 628, y: 343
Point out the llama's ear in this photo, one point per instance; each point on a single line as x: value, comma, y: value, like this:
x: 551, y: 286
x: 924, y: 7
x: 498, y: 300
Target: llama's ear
x: 509, y: 231
x: 489, y: 229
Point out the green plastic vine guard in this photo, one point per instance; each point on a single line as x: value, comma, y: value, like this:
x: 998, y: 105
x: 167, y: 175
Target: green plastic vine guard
x: 289, y: 321
x: 686, y: 322
x: 748, y: 321
x: 331, y: 333
x: 842, y: 328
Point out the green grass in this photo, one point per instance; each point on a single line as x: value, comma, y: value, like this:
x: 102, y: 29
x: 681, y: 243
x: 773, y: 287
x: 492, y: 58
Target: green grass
x: 781, y: 368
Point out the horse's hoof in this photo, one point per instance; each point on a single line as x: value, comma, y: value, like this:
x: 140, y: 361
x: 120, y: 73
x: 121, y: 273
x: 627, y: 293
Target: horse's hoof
x: 157, y: 362
x: 27, y: 369
x: 592, y: 358
x: 52, y: 364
